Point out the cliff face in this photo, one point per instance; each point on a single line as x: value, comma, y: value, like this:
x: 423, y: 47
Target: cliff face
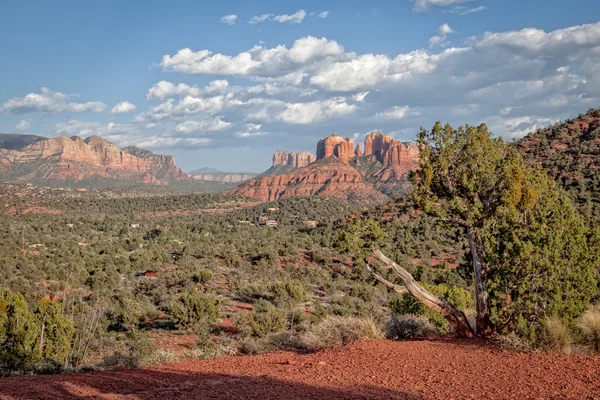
x: 292, y: 159
x: 75, y: 159
x: 331, y: 178
x: 340, y: 171
x: 391, y: 152
x: 337, y: 146
x: 223, y: 177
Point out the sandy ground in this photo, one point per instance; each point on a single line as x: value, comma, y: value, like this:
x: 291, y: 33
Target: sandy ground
x: 379, y: 369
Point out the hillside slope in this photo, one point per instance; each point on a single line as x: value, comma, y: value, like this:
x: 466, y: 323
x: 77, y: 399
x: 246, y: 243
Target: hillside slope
x: 93, y: 161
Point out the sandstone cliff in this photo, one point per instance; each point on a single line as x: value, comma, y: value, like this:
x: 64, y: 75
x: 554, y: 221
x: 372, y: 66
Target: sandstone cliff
x: 293, y: 159
x: 337, y: 146
x: 341, y: 171
x: 74, y: 159
x: 329, y: 177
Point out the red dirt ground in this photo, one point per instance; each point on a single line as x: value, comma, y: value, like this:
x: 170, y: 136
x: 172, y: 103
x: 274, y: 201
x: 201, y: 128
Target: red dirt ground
x: 373, y: 370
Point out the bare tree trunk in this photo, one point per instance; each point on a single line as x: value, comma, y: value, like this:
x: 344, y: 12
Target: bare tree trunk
x: 481, y: 292
x: 455, y: 317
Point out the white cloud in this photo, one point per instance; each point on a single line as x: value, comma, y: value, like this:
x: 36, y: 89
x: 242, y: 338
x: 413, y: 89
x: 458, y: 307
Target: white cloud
x: 323, y: 14
x: 258, y: 61
x: 462, y: 10
x: 123, y: 107
x: 48, y: 102
x: 257, y: 19
x: 121, y: 134
x: 229, y: 19
x: 440, y: 38
x: 24, y: 125
x: 307, y: 113
x: 360, y: 97
x: 394, y: 113
x: 208, y: 125
x: 423, y: 5
x: 295, y: 18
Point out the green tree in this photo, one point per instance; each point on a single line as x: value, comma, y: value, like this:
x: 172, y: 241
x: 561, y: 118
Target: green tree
x: 55, y: 332
x: 529, y: 247
x: 18, y: 333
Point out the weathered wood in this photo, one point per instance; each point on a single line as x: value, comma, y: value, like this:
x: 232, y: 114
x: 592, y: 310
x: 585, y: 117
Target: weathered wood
x: 481, y: 293
x: 455, y: 317
x: 396, y: 288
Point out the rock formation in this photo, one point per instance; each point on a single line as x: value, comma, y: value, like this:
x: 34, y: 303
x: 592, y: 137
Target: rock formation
x: 391, y: 152
x: 363, y: 181
x: 75, y: 159
x: 331, y: 178
x: 292, y: 159
x: 223, y: 177
x: 335, y: 145
x: 358, y: 151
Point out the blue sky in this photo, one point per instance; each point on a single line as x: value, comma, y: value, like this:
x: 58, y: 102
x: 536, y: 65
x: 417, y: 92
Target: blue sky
x: 119, y: 69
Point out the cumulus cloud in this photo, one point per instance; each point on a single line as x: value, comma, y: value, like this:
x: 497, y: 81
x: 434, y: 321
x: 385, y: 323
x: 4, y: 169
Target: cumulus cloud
x: 515, y: 81
x: 395, y: 113
x: 123, y: 107
x: 229, y: 19
x: 440, y: 39
x: 307, y: 113
x: 423, y: 5
x: 121, y: 134
x: 48, y: 102
x: 24, y: 125
x: 207, y: 125
x: 258, y: 61
x: 295, y: 18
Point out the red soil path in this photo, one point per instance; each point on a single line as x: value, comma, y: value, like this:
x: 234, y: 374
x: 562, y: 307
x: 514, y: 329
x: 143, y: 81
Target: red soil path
x: 365, y: 370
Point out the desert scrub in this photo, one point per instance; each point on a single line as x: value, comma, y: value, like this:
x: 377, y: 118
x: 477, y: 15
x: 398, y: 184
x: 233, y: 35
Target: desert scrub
x: 191, y: 308
x: 264, y: 320
x: 335, y: 331
x: 408, y: 326
x: 590, y: 327
x: 557, y: 335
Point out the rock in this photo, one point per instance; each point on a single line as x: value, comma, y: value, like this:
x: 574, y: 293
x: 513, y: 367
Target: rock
x: 358, y: 151
x: 337, y: 146
x: 75, y: 159
x: 293, y: 159
x: 331, y: 178
x: 391, y: 152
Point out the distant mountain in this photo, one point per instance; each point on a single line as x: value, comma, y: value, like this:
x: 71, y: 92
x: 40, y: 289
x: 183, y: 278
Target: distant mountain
x: 82, y: 162
x: 206, y: 170
x: 13, y: 141
x: 340, y: 170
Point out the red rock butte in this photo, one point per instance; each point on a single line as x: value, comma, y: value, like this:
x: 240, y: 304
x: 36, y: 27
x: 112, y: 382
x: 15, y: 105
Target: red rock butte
x: 293, y: 159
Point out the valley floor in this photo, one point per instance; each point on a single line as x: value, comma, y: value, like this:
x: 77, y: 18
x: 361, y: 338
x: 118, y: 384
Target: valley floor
x: 435, y: 369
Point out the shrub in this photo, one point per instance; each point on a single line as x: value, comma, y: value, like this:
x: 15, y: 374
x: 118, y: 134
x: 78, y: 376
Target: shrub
x: 590, y: 327
x: 264, y: 320
x: 191, y: 308
x: 139, y: 351
x: 338, y: 331
x: 512, y: 342
x: 408, y: 326
x: 558, y: 336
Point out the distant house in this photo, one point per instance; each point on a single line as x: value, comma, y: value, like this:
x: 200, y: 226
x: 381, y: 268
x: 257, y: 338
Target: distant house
x: 272, y: 209
x: 271, y: 223
x: 135, y: 226
x: 310, y: 224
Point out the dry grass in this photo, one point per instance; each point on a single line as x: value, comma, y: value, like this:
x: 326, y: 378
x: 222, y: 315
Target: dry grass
x: 558, y: 335
x: 590, y: 327
x: 338, y: 331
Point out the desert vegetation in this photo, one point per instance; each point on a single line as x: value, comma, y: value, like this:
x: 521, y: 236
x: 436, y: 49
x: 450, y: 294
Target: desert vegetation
x: 487, y: 244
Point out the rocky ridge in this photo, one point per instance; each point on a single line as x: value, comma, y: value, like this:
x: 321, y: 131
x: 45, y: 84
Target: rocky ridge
x: 74, y: 159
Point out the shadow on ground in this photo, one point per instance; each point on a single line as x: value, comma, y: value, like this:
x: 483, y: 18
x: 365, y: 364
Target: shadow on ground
x: 164, y: 385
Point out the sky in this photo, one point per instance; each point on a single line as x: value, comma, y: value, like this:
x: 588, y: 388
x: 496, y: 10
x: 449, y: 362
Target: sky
x: 224, y: 84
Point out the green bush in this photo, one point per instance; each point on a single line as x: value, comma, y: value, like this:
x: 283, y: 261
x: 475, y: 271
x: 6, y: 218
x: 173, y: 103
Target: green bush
x: 408, y: 326
x: 264, y: 320
x: 191, y: 308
